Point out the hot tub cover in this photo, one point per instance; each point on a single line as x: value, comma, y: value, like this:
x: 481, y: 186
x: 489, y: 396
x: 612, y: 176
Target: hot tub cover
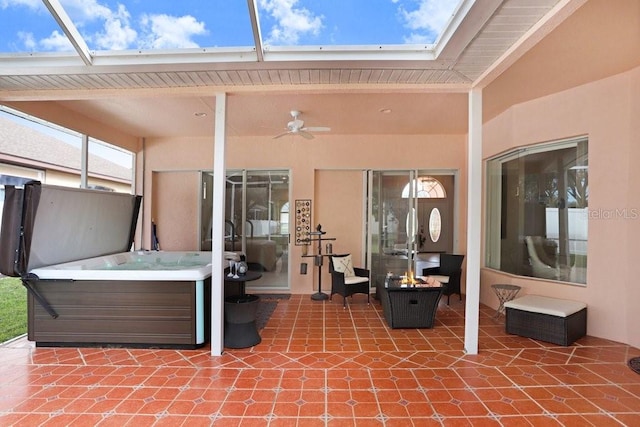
x: 44, y: 225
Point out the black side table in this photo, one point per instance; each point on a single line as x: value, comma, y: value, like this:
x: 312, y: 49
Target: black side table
x: 240, y: 329
x: 241, y: 280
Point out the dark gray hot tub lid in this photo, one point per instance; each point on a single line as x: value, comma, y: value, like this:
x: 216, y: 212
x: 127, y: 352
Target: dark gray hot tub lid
x: 45, y: 225
x: 18, y: 218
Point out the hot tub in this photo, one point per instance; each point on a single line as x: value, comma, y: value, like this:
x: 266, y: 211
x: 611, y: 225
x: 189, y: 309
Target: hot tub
x: 133, y: 299
x: 135, y: 265
x: 71, y: 247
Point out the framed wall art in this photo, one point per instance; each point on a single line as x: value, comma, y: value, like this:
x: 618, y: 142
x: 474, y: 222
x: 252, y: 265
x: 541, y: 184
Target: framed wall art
x: 303, y: 221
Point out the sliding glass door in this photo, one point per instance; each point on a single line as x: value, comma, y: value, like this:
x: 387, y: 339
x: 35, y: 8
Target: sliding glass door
x: 257, y: 222
x: 410, y: 221
x: 392, y: 224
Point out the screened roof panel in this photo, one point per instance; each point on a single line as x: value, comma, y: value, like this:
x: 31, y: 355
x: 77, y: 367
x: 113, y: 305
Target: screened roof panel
x: 160, y: 24
x: 353, y: 22
x: 27, y: 26
x: 112, y: 25
x: 107, y: 25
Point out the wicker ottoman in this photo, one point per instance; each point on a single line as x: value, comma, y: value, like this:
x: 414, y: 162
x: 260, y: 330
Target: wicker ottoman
x: 548, y: 319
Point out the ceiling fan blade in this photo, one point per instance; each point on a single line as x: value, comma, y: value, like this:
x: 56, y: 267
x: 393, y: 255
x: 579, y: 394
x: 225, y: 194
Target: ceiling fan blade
x: 296, y: 126
x: 304, y: 134
x: 317, y: 129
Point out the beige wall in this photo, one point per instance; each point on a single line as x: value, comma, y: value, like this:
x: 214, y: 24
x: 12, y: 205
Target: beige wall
x: 600, y: 39
x: 175, y: 209
x: 604, y: 111
x: 317, y: 167
x: 338, y: 200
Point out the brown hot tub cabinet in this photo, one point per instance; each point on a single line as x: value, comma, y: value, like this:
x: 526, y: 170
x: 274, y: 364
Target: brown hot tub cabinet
x: 49, y: 232
x: 131, y: 313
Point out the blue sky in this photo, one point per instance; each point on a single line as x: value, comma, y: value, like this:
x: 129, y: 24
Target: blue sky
x: 26, y: 25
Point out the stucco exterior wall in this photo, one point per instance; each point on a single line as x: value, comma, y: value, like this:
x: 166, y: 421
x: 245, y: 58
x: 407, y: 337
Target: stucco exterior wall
x: 603, y: 111
x: 315, y: 166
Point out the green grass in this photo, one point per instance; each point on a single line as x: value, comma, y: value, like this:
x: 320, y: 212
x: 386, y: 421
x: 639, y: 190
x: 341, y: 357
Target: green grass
x: 13, y: 308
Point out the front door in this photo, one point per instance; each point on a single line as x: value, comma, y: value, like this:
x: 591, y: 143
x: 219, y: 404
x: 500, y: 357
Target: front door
x: 411, y: 221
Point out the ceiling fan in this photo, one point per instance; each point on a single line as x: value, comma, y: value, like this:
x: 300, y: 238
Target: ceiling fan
x: 296, y: 127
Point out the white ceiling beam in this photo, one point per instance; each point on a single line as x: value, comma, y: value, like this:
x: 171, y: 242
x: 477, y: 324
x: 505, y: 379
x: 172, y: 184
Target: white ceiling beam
x: 215, y: 59
x: 126, y: 60
x: 468, y: 21
x: 352, y: 53
x: 69, y: 29
x: 255, y: 26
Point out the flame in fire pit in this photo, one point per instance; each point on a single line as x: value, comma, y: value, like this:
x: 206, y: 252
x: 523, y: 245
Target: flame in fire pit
x: 409, y: 279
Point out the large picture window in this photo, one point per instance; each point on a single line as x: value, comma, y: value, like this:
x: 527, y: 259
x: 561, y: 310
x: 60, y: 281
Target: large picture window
x: 538, y: 200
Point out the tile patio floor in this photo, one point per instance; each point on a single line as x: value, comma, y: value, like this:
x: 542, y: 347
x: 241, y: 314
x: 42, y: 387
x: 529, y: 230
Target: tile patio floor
x: 320, y: 365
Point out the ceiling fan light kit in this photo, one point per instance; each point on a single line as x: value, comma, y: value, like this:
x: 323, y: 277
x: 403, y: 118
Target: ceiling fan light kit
x: 296, y: 127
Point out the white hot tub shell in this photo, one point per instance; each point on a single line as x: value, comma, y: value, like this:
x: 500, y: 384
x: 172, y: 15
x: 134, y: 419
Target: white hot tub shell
x: 135, y: 265
x: 71, y: 247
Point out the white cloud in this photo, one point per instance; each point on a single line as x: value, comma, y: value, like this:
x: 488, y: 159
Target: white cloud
x: 57, y: 41
x: 416, y: 38
x: 292, y: 22
x: 170, y: 32
x: 28, y: 40
x: 31, y: 4
x: 83, y: 12
x: 104, y: 28
x: 430, y: 17
x: 117, y: 33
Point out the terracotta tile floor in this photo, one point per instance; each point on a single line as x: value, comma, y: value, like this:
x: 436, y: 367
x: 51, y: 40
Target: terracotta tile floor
x: 320, y: 365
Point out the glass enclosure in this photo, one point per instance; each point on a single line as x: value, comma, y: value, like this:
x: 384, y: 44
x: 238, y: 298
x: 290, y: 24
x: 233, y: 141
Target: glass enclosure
x: 106, y: 157
x: 410, y: 221
x: 538, y: 211
x: 59, y: 154
x: 256, y: 222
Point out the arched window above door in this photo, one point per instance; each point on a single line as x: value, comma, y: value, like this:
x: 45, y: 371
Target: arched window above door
x: 425, y: 187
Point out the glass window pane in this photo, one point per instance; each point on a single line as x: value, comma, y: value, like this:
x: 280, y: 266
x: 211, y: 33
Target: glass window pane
x: 257, y: 223
x: 57, y: 152
x: 284, y: 218
x: 30, y: 141
x: 110, y: 168
x: 435, y: 225
x: 425, y: 187
x: 538, y: 212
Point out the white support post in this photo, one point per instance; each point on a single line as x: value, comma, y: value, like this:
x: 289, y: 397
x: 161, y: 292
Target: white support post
x: 474, y: 214
x: 217, y: 238
x: 84, y: 162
